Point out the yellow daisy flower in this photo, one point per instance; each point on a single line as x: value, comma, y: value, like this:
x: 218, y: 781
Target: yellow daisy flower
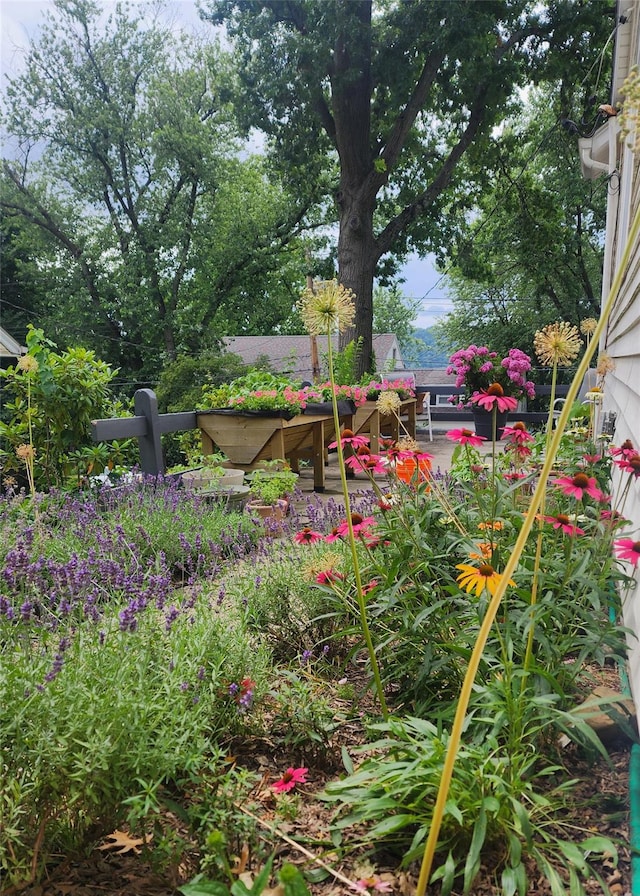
x: 477, y: 578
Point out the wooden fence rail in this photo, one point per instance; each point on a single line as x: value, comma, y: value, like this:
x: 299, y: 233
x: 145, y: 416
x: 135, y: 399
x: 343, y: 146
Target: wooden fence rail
x: 147, y: 425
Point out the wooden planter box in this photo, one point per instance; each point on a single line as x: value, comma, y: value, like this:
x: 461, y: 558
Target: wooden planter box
x: 249, y: 439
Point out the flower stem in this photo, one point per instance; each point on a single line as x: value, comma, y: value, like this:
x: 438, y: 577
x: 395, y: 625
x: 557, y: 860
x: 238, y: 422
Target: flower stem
x: 362, y: 609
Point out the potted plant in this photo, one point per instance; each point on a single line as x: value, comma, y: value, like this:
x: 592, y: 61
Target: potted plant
x: 271, y: 486
x: 492, y: 385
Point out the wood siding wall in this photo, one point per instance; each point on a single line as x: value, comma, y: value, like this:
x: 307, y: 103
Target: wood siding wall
x: 622, y: 343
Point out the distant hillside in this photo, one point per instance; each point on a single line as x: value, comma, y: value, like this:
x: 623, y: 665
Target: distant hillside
x: 431, y: 355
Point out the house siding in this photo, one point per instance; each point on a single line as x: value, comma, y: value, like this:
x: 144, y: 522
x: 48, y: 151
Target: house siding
x: 622, y: 335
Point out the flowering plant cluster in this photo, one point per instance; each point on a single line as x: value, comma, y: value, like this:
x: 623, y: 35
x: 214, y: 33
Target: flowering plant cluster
x: 268, y: 392
x: 375, y: 388
x: 323, y: 392
x: 483, y: 373
x: 257, y: 391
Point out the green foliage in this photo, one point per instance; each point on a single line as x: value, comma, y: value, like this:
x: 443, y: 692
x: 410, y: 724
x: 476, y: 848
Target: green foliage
x: 500, y: 802
x: 282, y: 604
x: 181, y: 382
x: 124, y: 708
x: 55, y: 398
x: 536, y: 206
x: 393, y: 312
x: 290, y: 880
x: 346, y: 362
x: 275, y: 481
x: 305, y: 715
x: 143, y: 273
x: 367, y: 105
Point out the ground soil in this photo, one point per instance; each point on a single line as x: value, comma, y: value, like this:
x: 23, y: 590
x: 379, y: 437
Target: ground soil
x: 117, y: 867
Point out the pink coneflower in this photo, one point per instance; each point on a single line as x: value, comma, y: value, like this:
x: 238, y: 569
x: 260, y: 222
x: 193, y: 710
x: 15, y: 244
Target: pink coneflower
x: 329, y: 577
x: 366, y: 463
x: 465, y: 437
x: 591, y: 459
x: 613, y: 517
x: 579, y: 485
x: 624, y: 450
x: 307, y: 536
x: 629, y: 464
x: 517, y: 434
x: 336, y: 534
x: 494, y: 397
x: 369, y: 586
x: 562, y: 521
x: 374, y: 464
x: 359, y: 523
x: 291, y: 777
x: 627, y: 549
x: 514, y: 476
x: 348, y: 437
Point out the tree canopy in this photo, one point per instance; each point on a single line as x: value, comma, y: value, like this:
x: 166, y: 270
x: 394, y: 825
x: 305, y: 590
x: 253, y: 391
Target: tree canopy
x: 532, y: 253
x: 387, y: 99
x: 152, y: 230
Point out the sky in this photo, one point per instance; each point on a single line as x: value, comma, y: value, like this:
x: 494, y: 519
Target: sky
x: 19, y: 20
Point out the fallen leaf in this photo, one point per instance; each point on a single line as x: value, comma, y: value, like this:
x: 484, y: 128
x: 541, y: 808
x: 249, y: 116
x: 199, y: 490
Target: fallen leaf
x: 121, y: 843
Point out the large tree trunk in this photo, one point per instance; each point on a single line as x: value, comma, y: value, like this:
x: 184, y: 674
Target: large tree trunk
x: 357, y: 259
x: 359, y: 184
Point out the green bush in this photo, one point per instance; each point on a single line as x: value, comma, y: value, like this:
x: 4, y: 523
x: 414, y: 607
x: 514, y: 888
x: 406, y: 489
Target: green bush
x: 54, y: 399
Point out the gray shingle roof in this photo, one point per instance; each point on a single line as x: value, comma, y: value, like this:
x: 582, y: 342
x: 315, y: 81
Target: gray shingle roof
x: 292, y: 354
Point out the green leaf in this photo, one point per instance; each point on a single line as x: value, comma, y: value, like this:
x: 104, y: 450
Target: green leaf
x: 346, y: 761
x: 391, y: 824
x: 574, y: 855
x: 472, y: 864
x: 260, y: 882
x: 509, y: 882
x: 292, y: 879
x: 600, y: 845
x: 202, y: 886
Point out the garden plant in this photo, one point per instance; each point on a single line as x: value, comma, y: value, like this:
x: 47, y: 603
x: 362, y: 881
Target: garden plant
x: 149, y: 637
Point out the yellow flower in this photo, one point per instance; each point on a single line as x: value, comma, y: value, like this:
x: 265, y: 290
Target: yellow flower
x: 588, y: 326
x: 478, y: 578
x: 557, y: 344
x: 28, y: 363
x: 329, y: 561
x: 388, y: 403
x: 329, y: 308
x: 25, y: 452
x: 408, y: 444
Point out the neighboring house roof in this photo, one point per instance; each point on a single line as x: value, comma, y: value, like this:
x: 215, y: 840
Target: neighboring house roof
x: 9, y: 348
x: 292, y: 354
x: 433, y: 376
